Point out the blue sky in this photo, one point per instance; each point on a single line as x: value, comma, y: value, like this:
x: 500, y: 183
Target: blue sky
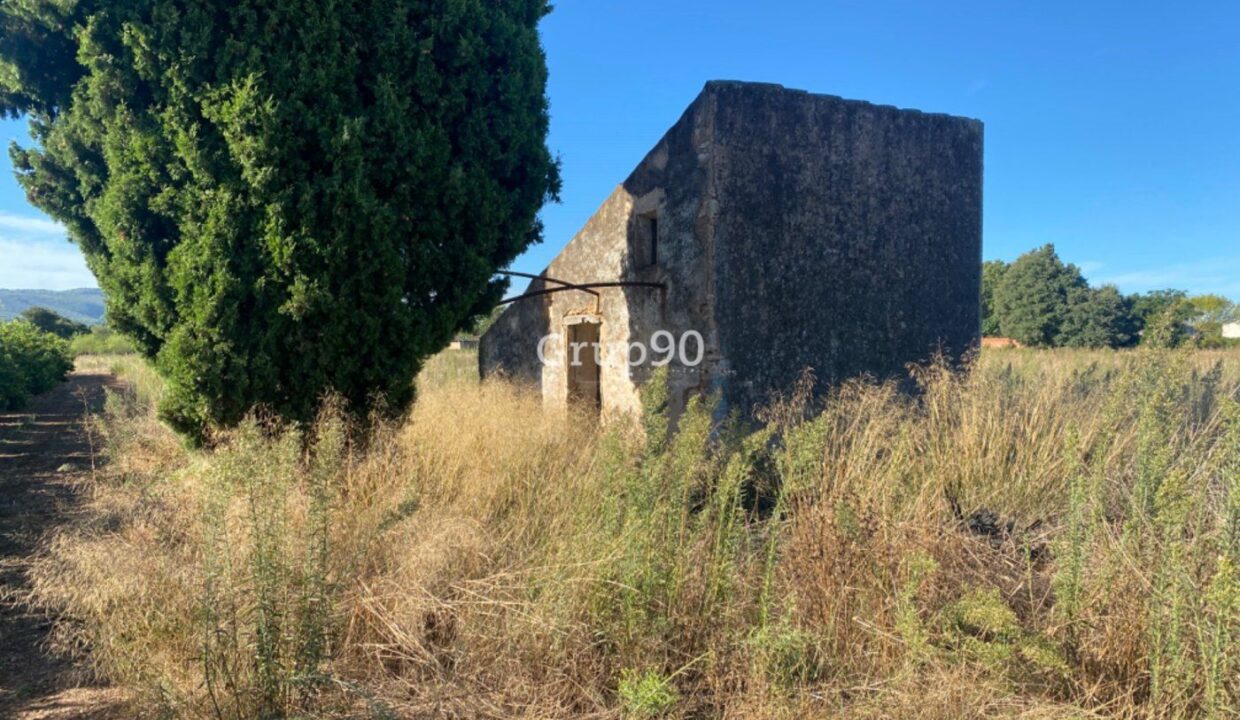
x: 1112, y: 128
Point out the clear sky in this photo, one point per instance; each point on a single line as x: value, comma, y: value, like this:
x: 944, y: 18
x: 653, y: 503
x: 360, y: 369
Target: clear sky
x: 1112, y: 128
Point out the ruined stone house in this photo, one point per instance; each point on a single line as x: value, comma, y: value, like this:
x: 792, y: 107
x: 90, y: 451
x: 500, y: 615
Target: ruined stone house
x: 784, y: 229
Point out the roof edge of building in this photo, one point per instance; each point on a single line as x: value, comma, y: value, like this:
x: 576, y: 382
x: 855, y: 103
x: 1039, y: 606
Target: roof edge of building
x: 716, y: 87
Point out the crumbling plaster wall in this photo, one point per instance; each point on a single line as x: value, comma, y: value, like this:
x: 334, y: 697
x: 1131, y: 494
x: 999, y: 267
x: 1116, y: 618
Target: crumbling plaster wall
x: 672, y: 183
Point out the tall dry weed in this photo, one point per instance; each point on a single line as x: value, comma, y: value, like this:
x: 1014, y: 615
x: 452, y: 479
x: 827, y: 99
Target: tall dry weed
x: 1044, y: 535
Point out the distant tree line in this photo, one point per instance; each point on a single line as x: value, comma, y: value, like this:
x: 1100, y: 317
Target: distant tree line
x: 99, y: 339
x: 1040, y: 301
x: 53, y: 322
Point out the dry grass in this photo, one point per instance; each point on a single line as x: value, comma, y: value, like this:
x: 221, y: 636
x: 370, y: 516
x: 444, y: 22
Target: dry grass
x: 1051, y: 535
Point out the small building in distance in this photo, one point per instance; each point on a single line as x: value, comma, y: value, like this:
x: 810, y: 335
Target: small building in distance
x: 463, y: 342
x: 1231, y: 331
x: 769, y: 231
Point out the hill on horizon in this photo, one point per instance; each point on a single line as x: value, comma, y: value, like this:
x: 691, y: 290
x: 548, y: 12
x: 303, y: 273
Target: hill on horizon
x: 84, y: 305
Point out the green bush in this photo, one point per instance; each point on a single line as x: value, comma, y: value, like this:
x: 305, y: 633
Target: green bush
x: 31, y: 362
x: 101, y: 340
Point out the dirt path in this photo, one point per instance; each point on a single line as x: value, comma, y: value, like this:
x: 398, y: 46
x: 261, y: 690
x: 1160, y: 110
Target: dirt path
x: 45, y: 454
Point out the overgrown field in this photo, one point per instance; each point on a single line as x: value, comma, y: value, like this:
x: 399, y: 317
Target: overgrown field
x: 1050, y: 535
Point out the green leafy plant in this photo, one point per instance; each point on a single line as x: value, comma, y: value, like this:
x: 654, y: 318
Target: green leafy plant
x: 645, y: 694
x: 31, y: 362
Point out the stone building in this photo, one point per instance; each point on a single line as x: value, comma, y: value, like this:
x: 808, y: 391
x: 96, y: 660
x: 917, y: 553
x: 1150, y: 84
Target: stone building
x: 770, y: 230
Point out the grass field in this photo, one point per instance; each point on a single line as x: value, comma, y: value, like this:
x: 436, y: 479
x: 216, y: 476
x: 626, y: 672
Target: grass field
x: 1049, y: 535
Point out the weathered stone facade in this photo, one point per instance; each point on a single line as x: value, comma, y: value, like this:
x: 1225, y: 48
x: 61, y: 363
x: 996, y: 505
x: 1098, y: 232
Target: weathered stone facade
x: 790, y: 230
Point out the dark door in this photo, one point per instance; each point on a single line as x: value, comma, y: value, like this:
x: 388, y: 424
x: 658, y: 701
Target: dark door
x: 584, y: 387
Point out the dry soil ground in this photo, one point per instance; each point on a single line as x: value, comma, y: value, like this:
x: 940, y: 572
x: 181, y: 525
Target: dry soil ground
x: 45, y: 457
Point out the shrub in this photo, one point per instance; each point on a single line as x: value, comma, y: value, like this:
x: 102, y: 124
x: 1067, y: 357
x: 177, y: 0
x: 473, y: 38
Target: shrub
x: 31, y: 362
x: 1167, y: 329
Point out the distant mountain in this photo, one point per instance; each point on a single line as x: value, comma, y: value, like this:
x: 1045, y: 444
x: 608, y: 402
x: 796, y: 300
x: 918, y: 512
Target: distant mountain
x: 85, y: 305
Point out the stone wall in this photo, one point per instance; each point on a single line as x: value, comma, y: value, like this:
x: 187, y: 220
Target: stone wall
x: 669, y: 183
x: 848, y: 237
x: 795, y: 231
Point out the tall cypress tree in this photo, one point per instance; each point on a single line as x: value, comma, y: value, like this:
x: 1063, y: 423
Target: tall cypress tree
x: 282, y: 198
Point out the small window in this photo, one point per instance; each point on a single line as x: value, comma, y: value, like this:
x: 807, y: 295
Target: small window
x: 654, y: 239
x: 646, y: 241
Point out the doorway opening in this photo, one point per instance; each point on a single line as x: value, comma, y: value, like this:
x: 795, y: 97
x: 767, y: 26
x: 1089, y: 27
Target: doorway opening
x: 585, y: 388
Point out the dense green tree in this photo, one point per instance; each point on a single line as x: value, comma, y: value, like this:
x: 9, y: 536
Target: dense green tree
x: 1031, y: 298
x: 285, y: 198
x: 39, y: 32
x: 1150, y: 305
x: 1210, y: 308
x: 53, y: 322
x: 1044, y: 302
x: 992, y: 275
x: 1097, y: 318
x: 1209, y: 313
